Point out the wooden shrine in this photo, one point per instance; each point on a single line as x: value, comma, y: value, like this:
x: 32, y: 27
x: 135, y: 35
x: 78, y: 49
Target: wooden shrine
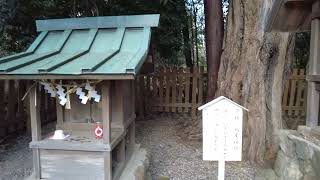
x: 299, y: 16
x: 89, y: 66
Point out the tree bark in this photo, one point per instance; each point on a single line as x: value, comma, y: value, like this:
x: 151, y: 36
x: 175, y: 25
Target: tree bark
x: 253, y: 65
x: 186, y: 38
x: 214, y: 39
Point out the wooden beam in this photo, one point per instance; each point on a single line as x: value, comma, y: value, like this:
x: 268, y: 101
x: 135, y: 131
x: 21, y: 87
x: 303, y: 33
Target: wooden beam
x: 108, y: 165
x: 118, y: 104
x: 35, y: 127
x: 121, y: 151
x: 314, y: 69
x: 60, y: 115
x: 106, y: 111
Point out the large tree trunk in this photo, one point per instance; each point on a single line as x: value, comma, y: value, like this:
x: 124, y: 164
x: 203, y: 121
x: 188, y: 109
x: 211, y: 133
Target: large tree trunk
x: 252, y: 68
x: 214, y: 38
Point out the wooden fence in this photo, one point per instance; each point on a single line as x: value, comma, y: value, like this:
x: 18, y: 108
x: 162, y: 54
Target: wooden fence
x: 294, y: 95
x: 14, y: 112
x: 171, y: 90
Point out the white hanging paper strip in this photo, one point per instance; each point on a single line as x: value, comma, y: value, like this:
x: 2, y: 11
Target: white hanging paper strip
x: 88, y: 87
x: 63, y: 100
x: 84, y: 99
x: 79, y: 91
x: 96, y: 96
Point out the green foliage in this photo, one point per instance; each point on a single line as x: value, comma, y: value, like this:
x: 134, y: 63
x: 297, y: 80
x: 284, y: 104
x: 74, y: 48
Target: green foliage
x: 301, y: 50
x: 19, y: 31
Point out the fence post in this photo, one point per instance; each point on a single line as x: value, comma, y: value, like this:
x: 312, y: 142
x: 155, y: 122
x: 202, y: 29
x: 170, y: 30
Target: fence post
x: 167, y: 85
x: 194, y: 91
x: 180, y: 82
x: 174, y: 89
x: 187, y: 89
x: 161, y: 87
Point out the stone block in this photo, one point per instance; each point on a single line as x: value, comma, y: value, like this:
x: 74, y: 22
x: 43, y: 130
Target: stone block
x: 303, y: 149
x: 316, y: 162
x: 286, y: 145
x: 266, y: 174
x: 287, y: 168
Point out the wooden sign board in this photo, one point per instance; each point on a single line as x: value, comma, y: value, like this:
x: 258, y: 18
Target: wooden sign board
x: 222, y: 131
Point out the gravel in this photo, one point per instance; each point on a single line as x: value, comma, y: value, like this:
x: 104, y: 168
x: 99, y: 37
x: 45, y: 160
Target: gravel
x: 172, y: 153
x: 15, y: 158
x: 175, y: 156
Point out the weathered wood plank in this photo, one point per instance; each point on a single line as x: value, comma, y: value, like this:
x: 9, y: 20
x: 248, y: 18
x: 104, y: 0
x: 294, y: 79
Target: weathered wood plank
x: 108, y: 166
x: 200, y: 86
x: 161, y: 87
x: 187, y: 90
x: 194, y: 93
x: 299, y: 93
x: 174, y: 88
x: 35, y: 126
x: 293, y: 89
x: 106, y: 110
x: 180, y: 83
x: 167, y: 85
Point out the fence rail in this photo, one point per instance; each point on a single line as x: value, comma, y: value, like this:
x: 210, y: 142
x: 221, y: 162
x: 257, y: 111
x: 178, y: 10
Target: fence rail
x: 294, y: 95
x: 171, y: 90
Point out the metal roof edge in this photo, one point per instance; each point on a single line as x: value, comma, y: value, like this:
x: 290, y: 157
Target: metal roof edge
x: 219, y: 99
x: 148, y: 20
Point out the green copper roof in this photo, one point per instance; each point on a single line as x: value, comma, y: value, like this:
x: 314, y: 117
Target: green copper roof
x: 84, y: 48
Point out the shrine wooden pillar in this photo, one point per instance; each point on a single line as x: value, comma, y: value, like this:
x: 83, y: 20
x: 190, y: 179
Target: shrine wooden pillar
x: 35, y: 127
x: 314, y: 68
x: 106, y: 121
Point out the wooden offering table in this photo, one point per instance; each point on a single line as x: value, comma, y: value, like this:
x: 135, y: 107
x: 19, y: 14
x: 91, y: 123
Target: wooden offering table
x: 89, y: 66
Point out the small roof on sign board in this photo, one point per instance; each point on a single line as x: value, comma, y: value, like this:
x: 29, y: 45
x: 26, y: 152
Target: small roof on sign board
x: 219, y: 99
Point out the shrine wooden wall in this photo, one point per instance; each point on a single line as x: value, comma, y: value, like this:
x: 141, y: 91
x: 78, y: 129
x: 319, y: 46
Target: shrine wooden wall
x: 14, y: 116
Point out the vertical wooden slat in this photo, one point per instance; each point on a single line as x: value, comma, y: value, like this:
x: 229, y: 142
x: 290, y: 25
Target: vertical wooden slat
x: 154, y: 99
x: 174, y: 88
x: 107, y: 166
x: 167, y: 85
x: 187, y: 89
x: 161, y: 87
x: 60, y: 114
x: 141, y: 96
x: 106, y: 111
x: 194, y: 92
x: 293, y: 91
x: 121, y: 151
x: 180, y: 83
x: 34, y: 100
x: 299, y: 93
x: 200, y: 86
x: 148, y: 93
x: 286, y: 95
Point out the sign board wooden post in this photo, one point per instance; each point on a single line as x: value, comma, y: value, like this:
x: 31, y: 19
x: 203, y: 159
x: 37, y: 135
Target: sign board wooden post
x: 222, y: 132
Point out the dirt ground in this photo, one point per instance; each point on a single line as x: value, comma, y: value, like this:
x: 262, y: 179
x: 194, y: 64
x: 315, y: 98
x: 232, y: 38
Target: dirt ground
x: 171, y: 153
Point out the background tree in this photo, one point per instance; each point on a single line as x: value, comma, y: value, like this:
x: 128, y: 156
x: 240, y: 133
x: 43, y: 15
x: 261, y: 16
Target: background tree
x: 214, y: 38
